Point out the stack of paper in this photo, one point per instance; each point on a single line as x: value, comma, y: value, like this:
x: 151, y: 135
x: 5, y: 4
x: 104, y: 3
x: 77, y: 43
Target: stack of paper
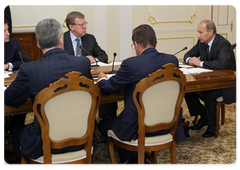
x: 194, y: 70
x: 109, y: 64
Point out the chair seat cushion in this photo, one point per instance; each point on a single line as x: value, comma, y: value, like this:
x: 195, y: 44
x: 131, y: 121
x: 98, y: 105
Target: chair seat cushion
x: 65, y: 157
x: 149, y: 141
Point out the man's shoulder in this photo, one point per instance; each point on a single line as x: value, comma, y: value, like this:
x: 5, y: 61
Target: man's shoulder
x: 88, y: 37
x: 66, y: 33
x: 13, y: 41
x: 221, y: 41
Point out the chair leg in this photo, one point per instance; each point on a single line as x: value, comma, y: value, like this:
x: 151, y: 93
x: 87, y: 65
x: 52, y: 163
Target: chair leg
x: 217, y: 119
x: 141, y: 156
x: 154, y: 154
x: 223, y: 113
x: 173, y: 153
x: 111, y: 150
x: 23, y: 160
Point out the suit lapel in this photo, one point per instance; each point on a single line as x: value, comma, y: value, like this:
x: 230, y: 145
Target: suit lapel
x: 5, y: 52
x: 68, y: 44
x: 214, y: 44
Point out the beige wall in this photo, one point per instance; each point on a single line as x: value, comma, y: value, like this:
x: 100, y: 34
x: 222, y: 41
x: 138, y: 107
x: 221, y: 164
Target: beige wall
x: 112, y: 25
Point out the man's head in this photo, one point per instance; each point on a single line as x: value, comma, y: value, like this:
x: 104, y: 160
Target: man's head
x: 76, y: 23
x: 49, y: 34
x: 143, y: 37
x: 206, y: 31
x: 6, y: 32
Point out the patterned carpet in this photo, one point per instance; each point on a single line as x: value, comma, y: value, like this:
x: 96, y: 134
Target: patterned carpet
x: 194, y: 150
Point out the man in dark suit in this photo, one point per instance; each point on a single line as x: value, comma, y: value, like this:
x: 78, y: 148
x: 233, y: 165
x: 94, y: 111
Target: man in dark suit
x: 7, y: 16
x: 132, y: 70
x: 35, y: 76
x: 77, y: 26
x: 12, y: 51
x: 215, y: 52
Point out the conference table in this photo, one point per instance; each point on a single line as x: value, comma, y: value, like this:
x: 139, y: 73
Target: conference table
x: 216, y: 79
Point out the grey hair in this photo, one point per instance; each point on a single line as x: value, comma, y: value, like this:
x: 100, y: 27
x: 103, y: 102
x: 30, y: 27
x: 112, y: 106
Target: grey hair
x: 48, y: 32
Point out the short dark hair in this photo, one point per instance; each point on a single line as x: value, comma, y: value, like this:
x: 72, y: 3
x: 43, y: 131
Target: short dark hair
x: 70, y: 19
x: 210, y: 26
x: 5, y: 21
x: 144, y: 35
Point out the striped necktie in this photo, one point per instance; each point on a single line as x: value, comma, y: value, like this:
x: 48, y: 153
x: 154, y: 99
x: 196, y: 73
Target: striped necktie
x: 207, y: 51
x: 78, y: 49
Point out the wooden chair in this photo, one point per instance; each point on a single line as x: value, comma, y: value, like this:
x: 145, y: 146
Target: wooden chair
x: 220, y: 109
x: 158, y: 100
x: 66, y: 111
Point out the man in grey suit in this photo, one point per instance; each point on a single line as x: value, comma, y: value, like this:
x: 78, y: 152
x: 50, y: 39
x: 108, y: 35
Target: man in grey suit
x: 215, y: 52
x: 77, y: 36
x: 35, y: 76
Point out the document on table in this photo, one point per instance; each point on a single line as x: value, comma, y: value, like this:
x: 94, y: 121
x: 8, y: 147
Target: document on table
x: 184, y: 66
x: 194, y: 70
x: 6, y: 74
x: 108, y: 77
x: 104, y: 64
x: 3, y: 88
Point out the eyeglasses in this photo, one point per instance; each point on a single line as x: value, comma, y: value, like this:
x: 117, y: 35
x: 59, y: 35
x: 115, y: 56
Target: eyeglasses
x: 133, y: 47
x: 83, y: 24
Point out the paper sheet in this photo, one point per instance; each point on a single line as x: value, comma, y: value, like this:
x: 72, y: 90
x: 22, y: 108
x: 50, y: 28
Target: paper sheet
x: 194, y: 70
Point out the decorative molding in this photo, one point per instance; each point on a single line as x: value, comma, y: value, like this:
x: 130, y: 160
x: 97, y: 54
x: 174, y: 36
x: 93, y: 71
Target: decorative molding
x: 153, y: 21
x: 64, y: 21
x: 225, y: 35
x: 24, y: 26
x: 176, y: 30
x: 223, y: 12
x: 170, y: 38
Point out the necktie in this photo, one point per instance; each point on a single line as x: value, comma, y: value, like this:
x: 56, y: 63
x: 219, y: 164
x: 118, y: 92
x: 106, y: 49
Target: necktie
x: 78, y: 50
x: 207, y: 52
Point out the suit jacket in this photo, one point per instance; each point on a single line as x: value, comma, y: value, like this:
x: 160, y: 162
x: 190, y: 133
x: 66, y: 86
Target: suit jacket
x: 89, y: 43
x: 11, y: 54
x: 31, y: 79
x: 130, y: 73
x: 221, y: 57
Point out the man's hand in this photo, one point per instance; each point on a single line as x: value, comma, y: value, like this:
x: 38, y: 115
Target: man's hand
x: 195, y: 61
x: 91, y: 59
x: 5, y: 67
x: 102, y: 75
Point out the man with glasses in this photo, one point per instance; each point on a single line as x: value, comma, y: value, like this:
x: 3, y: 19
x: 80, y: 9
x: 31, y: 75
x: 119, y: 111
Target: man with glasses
x: 77, y: 36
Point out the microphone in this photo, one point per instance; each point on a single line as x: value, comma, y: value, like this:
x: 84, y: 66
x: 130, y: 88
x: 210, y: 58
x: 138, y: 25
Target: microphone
x: 113, y: 71
x: 180, y: 50
x: 20, y: 54
x: 96, y: 65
